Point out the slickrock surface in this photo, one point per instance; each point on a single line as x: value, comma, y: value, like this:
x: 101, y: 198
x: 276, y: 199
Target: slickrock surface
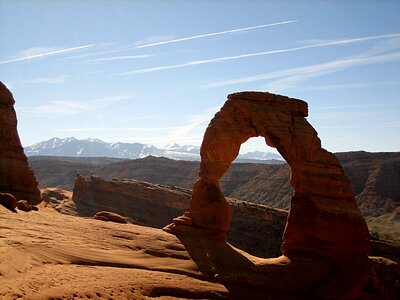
x: 45, y: 254
x: 48, y: 255
x: 324, y: 218
x: 16, y: 176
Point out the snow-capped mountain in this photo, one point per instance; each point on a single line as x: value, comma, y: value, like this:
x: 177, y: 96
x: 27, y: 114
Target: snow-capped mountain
x: 91, y: 148
x: 97, y: 148
x: 258, y: 155
x: 184, y: 148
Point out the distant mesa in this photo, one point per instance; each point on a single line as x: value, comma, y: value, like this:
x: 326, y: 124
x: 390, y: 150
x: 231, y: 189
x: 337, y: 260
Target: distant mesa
x: 16, y: 176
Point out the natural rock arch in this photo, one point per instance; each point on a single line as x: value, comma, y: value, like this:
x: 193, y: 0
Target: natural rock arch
x: 324, y: 218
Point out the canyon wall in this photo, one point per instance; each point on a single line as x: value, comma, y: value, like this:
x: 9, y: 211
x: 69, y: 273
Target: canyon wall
x: 256, y: 229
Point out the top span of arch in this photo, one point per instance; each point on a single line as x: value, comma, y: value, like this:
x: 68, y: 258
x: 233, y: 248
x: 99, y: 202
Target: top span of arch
x: 297, y: 106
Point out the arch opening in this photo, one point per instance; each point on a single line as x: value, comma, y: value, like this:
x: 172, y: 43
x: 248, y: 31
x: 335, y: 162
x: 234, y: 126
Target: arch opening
x: 262, y: 175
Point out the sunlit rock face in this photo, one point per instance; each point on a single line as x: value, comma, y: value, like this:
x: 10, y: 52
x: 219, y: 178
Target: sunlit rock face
x: 16, y: 176
x: 323, y: 219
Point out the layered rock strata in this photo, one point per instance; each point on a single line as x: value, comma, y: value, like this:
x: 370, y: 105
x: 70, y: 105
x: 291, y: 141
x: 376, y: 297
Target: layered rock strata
x: 16, y: 176
x: 324, y: 218
x: 256, y: 229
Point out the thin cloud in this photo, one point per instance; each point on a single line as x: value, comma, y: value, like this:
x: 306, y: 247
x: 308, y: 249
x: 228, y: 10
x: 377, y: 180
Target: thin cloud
x: 295, y: 75
x: 248, y: 55
x: 105, y: 129
x: 346, y: 107
x: 47, y: 80
x: 298, y: 75
x: 117, y: 58
x: 212, y: 34
x: 191, y: 132
x: 343, y: 86
x: 36, y: 51
x: 42, y: 52
x: 196, y: 122
x: 70, y: 107
x: 154, y: 40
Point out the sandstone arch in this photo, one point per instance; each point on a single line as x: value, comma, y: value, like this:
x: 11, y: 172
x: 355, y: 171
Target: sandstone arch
x: 323, y: 219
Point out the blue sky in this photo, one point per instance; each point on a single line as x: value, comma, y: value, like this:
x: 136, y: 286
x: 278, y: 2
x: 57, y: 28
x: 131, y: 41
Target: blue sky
x: 157, y: 71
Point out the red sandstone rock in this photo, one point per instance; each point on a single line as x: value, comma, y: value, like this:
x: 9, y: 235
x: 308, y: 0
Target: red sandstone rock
x: 16, y: 176
x: 24, y: 205
x: 324, y: 218
x: 8, y: 201
x: 110, y: 216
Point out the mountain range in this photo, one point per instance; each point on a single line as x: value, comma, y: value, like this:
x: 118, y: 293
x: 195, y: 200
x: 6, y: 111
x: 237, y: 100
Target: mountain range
x: 73, y: 147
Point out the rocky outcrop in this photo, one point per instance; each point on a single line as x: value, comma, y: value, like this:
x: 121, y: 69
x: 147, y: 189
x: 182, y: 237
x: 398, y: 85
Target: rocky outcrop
x: 143, y: 203
x: 25, y: 206
x: 8, y: 201
x: 110, y: 217
x: 324, y: 218
x: 60, y: 200
x: 16, y: 176
x: 256, y: 229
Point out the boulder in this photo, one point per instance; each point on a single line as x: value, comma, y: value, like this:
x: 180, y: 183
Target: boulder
x: 24, y: 205
x: 110, y: 216
x: 8, y: 201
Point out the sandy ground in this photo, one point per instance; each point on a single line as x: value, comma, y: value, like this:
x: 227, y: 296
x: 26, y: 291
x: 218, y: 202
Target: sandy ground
x: 46, y: 255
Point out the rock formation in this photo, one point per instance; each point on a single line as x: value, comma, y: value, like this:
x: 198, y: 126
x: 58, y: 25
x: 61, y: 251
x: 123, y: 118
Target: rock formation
x: 16, y: 176
x: 8, y: 201
x: 60, y: 200
x: 256, y: 229
x: 81, y: 258
x: 25, y: 206
x: 143, y: 203
x: 324, y: 218
x: 110, y: 217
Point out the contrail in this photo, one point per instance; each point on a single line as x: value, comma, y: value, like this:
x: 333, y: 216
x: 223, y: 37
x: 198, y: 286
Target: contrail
x: 214, y: 34
x: 46, y: 54
x: 247, y: 55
